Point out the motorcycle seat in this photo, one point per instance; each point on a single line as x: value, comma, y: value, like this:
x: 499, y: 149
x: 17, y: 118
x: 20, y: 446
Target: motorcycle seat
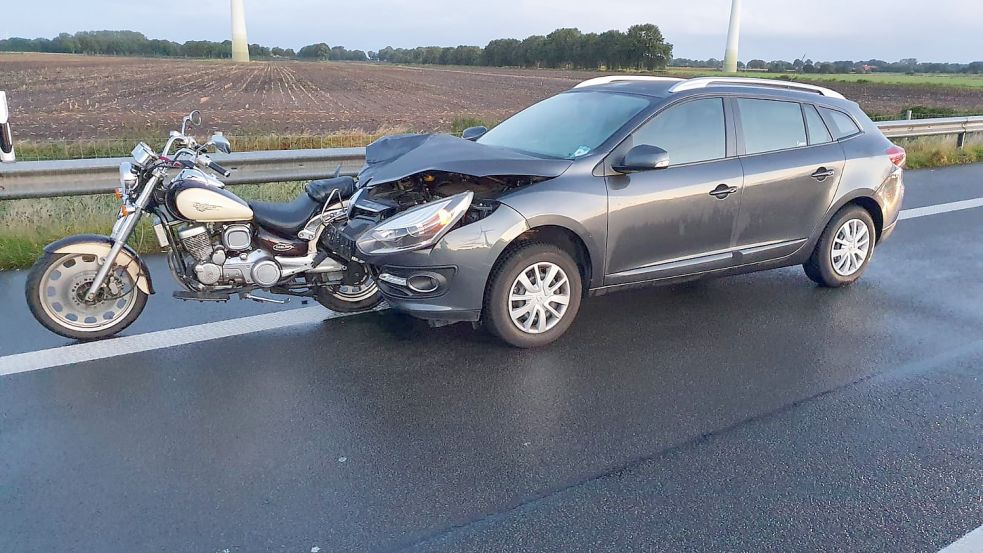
x: 288, y: 218
x: 321, y: 190
x: 285, y: 219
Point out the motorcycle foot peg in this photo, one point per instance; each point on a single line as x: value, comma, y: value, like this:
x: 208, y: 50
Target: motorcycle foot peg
x: 261, y: 299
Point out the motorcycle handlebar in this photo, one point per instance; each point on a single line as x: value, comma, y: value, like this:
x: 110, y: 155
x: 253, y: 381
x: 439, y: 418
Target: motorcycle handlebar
x: 219, y: 169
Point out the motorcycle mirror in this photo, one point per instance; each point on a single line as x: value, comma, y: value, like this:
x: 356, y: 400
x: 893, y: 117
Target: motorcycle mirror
x: 221, y: 143
x: 194, y: 118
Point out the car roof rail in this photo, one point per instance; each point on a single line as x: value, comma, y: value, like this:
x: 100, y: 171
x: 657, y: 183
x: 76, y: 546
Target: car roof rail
x: 616, y: 78
x: 704, y: 82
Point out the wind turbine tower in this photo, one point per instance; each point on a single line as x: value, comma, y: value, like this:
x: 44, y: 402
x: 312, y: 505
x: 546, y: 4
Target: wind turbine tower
x: 733, y: 37
x: 240, y: 44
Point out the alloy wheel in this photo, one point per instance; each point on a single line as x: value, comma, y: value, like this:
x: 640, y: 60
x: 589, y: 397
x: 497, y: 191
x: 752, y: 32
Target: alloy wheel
x: 851, y: 247
x: 539, y: 297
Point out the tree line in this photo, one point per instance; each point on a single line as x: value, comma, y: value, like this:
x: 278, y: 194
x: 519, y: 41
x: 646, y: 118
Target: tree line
x: 640, y: 47
x: 907, y: 65
x: 131, y: 43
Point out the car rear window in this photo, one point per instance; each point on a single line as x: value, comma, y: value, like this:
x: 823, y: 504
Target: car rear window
x: 818, y: 133
x: 841, y: 124
x: 771, y: 125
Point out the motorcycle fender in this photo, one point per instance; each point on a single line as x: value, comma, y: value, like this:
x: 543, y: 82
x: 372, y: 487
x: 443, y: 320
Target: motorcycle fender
x: 94, y: 244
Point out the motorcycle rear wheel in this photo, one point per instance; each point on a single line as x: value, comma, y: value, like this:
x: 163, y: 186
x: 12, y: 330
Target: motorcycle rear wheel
x: 344, y: 298
x: 56, y: 289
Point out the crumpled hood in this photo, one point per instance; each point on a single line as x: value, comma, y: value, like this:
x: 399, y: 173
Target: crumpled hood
x: 396, y: 157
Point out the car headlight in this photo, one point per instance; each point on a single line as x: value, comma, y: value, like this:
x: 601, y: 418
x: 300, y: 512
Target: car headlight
x: 417, y: 228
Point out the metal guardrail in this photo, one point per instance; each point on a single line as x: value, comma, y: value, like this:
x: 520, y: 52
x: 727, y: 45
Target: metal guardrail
x: 959, y: 126
x: 39, y: 179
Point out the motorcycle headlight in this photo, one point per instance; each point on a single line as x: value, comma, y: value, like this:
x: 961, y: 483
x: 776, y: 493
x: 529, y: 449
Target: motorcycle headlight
x: 417, y: 228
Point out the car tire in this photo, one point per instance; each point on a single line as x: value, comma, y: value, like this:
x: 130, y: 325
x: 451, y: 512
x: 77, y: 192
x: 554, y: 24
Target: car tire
x: 554, y: 277
x: 844, y: 249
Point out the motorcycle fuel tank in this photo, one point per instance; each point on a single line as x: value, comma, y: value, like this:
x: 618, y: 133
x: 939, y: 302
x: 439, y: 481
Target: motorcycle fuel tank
x: 198, y: 201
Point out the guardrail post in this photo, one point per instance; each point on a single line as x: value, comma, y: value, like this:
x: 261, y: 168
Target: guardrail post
x: 961, y: 140
x: 6, y: 137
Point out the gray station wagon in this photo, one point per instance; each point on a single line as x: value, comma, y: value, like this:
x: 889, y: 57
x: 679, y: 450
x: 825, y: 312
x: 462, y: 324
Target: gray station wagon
x: 622, y: 182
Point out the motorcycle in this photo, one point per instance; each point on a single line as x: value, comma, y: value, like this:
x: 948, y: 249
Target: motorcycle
x: 218, y: 245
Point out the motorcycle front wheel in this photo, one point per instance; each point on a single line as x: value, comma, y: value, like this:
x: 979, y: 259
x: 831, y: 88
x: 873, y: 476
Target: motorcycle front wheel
x: 56, y: 290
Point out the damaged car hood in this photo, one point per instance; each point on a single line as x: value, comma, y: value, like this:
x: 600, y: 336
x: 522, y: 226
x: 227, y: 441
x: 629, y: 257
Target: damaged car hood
x: 396, y: 157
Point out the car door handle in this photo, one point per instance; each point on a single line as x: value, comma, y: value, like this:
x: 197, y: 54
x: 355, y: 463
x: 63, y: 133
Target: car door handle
x: 721, y: 192
x: 822, y: 174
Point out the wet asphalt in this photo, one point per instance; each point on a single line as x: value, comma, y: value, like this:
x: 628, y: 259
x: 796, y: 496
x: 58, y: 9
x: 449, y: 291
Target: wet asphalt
x: 755, y: 413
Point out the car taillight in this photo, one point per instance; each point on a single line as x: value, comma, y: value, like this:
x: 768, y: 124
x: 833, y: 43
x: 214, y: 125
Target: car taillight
x: 897, y: 154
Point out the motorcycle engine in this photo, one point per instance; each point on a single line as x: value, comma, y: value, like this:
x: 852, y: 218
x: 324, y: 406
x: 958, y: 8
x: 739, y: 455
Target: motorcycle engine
x: 224, y: 256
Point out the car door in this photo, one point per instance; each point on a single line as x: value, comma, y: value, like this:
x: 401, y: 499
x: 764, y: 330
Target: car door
x: 792, y: 167
x: 666, y: 222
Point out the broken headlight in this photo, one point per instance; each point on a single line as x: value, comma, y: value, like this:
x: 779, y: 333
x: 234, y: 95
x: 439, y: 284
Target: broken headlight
x: 417, y: 228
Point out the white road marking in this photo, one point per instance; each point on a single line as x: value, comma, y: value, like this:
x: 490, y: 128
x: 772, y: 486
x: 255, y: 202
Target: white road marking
x: 92, y: 351
x: 940, y: 208
x: 970, y: 543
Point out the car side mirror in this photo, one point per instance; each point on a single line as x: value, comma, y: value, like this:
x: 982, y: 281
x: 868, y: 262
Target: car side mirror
x: 221, y: 143
x: 473, y: 133
x: 643, y: 158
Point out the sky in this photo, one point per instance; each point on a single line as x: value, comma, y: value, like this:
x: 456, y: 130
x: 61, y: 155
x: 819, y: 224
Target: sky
x: 828, y: 30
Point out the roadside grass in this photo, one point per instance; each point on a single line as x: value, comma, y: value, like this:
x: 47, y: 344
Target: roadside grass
x: 36, y: 150
x: 931, y: 153
x: 26, y: 226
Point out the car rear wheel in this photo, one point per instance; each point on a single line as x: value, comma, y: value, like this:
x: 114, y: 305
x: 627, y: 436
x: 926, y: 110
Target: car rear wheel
x: 844, y: 249
x: 533, y: 295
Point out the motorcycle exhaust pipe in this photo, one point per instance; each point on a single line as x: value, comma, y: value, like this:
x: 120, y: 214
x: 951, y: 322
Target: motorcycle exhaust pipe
x: 6, y: 137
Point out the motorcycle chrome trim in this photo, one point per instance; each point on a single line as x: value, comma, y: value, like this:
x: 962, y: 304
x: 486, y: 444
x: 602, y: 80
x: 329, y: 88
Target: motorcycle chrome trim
x: 290, y: 266
x: 122, y: 236
x: 101, y: 250
x: 161, y: 235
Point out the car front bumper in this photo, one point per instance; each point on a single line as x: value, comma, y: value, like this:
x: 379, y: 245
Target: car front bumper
x: 447, y: 283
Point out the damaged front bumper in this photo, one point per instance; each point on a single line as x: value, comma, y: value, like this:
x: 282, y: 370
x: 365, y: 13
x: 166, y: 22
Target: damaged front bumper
x: 446, y: 283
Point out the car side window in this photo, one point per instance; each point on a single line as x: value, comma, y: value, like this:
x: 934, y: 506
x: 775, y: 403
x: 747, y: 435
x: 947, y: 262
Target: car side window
x: 771, y: 125
x: 691, y: 131
x: 818, y: 133
x: 841, y: 124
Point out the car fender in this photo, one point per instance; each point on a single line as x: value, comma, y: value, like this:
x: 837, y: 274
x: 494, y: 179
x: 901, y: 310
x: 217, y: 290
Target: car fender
x: 98, y: 245
x: 594, y: 250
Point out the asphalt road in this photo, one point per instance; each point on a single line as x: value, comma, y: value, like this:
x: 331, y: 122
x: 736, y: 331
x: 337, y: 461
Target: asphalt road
x: 756, y: 413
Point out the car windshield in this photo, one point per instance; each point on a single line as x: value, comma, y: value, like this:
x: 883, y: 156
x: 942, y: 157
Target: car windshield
x: 566, y: 126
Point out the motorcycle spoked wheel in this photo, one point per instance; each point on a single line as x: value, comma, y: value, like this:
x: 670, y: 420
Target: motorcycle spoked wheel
x: 56, y: 290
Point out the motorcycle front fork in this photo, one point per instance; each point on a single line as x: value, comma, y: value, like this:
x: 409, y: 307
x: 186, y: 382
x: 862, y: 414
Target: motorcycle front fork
x: 121, y: 233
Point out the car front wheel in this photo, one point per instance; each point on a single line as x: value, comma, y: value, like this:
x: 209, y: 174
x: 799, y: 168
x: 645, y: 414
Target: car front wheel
x: 533, y: 295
